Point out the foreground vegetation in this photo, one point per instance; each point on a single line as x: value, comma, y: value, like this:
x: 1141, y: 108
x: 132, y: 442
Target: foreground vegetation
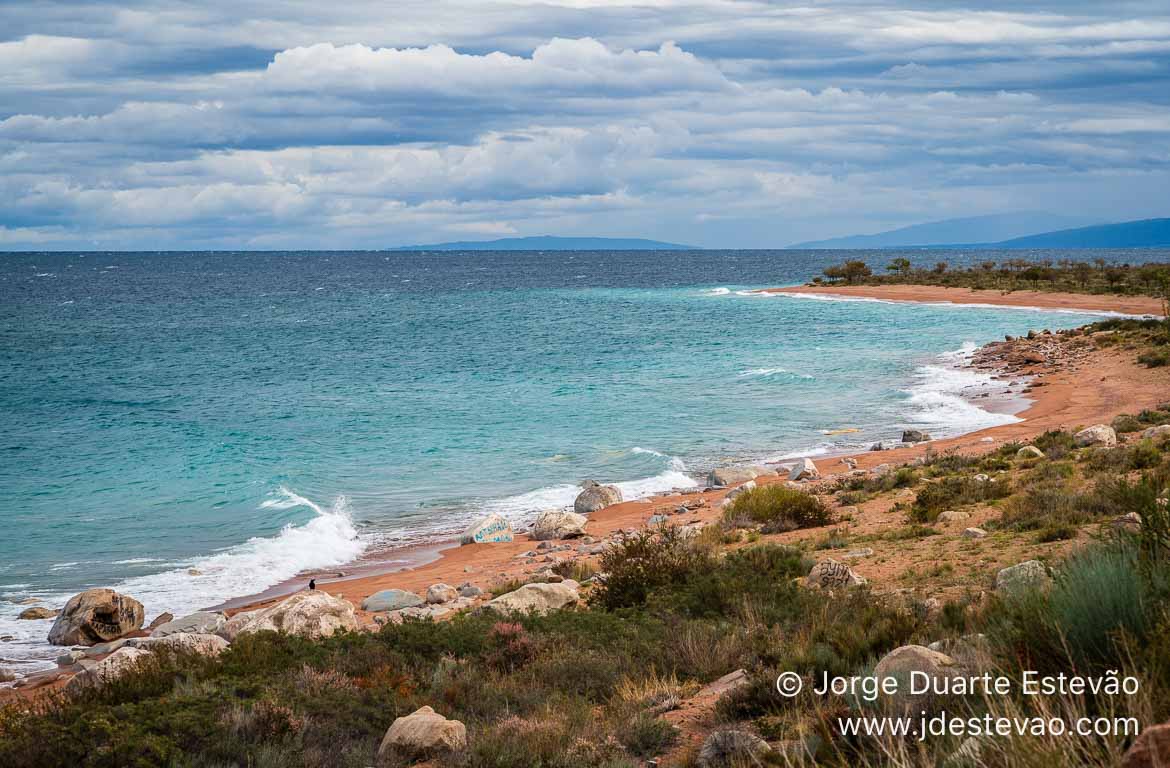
x: 589, y: 687
x: 1066, y: 275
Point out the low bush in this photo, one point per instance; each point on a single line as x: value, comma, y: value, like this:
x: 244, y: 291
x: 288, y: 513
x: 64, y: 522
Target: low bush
x: 644, y: 561
x: 777, y: 509
x: 1143, y: 454
x: 1056, y: 444
x: 953, y: 492
x: 1098, y: 600
x: 1155, y: 358
x: 645, y: 735
x: 1126, y: 423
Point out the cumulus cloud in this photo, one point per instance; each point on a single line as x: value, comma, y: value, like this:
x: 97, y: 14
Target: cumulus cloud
x: 559, y: 67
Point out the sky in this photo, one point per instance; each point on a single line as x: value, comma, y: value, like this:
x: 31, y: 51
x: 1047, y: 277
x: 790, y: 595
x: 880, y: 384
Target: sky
x: 281, y: 124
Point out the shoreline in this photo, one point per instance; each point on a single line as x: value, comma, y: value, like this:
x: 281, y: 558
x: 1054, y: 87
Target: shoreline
x: 933, y: 294
x: 1050, y: 399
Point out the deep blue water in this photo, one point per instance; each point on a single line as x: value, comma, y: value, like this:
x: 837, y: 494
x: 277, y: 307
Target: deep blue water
x: 250, y: 415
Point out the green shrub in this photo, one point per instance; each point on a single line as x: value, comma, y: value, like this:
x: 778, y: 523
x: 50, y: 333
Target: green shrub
x: 1155, y: 358
x: 952, y: 492
x: 778, y: 508
x: 1099, y: 597
x: 577, y: 570
x: 851, y: 498
x: 1142, y: 454
x: 1155, y: 416
x: 1057, y: 532
x: 1126, y: 423
x: 644, y: 561
x: 1047, y: 497
x: 761, y: 575
x: 646, y: 735
x: 1056, y: 444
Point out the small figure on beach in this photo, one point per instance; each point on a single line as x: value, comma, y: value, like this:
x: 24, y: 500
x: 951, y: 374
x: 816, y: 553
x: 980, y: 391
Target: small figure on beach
x: 312, y: 583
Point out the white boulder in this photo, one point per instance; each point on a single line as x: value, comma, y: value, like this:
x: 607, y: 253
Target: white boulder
x: 558, y: 524
x: 312, y: 614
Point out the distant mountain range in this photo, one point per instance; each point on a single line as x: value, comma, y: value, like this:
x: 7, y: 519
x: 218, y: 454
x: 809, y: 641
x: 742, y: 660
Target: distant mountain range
x: 976, y: 229
x: 1147, y: 233
x: 551, y: 243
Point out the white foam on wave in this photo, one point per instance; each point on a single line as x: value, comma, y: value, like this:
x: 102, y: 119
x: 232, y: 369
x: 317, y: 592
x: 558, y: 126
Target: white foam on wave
x: 519, y: 509
x: 721, y: 291
x: 329, y: 539
x: 767, y: 373
x: 940, y: 398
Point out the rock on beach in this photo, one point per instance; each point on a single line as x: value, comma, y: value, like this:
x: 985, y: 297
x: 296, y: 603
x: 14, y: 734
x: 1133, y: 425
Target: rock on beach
x: 595, y: 496
x: 96, y: 616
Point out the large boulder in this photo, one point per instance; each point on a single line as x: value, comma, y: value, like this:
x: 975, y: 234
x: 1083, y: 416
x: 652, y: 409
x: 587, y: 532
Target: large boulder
x: 110, y: 668
x: 1150, y: 750
x: 492, y: 529
x: 901, y: 662
x: 96, y: 616
x: 423, y: 733
x: 1030, y: 574
x: 198, y: 623
x: 914, y: 436
x: 1098, y: 434
x: 830, y: 574
x: 391, y: 600
x: 731, y: 475
x: 536, y: 598
x: 558, y: 524
x: 202, y: 644
x: 804, y: 469
x: 312, y: 614
x: 728, y: 747
x: 596, y: 496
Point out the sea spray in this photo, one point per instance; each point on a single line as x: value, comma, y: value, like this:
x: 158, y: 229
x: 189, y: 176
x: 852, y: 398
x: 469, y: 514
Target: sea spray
x: 941, y: 400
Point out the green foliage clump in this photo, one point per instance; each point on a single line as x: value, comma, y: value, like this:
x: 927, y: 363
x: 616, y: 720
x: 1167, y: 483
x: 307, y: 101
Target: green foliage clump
x: 778, y: 508
x: 1056, y: 444
x: 952, y: 492
x: 1099, y: 600
x: 644, y: 561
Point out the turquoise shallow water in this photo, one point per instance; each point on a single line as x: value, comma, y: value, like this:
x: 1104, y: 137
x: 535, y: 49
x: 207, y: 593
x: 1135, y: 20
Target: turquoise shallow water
x: 253, y: 415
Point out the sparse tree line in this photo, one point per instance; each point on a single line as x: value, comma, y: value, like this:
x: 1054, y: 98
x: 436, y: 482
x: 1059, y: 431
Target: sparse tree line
x: 1098, y: 276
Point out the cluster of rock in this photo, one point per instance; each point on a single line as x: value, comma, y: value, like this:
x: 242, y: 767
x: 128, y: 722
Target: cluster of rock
x: 1035, y: 353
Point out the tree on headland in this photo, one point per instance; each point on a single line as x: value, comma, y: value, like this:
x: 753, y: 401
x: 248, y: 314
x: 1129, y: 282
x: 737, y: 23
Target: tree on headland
x: 850, y: 271
x: 900, y: 265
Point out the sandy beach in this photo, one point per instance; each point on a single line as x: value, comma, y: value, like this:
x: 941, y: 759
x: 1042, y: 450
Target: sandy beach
x: 1095, y: 389
x: 1128, y: 305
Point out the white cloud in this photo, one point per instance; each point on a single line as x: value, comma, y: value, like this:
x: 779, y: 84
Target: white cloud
x: 559, y: 67
x: 373, y: 124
